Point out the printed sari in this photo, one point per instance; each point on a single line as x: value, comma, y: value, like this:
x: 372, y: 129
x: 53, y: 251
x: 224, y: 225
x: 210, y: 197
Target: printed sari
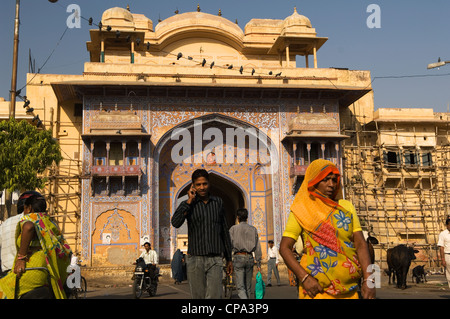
x: 49, y: 250
x: 327, y: 232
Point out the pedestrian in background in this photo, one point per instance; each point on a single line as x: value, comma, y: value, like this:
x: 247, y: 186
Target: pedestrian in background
x: 8, y: 246
x: 208, y: 237
x: 272, y: 264
x: 245, y: 242
x: 444, y: 248
x: 40, y: 244
x: 177, y: 267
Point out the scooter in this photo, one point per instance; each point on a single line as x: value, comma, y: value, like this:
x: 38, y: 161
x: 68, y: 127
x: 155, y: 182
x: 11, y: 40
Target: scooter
x: 145, y: 279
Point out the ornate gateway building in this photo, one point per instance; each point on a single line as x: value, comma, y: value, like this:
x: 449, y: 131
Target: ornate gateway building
x: 154, y: 103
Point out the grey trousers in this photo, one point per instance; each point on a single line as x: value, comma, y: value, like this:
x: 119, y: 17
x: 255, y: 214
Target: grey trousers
x: 204, y: 275
x: 243, y: 274
x: 272, y: 266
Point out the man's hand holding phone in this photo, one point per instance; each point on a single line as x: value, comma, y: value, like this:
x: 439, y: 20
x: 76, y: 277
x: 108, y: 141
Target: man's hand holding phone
x: 191, y: 194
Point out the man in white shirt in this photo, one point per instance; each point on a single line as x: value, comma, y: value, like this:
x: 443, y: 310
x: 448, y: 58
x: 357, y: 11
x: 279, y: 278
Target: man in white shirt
x: 150, y: 256
x: 272, y: 264
x: 8, y: 235
x: 444, y: 244
x: 151, y: 259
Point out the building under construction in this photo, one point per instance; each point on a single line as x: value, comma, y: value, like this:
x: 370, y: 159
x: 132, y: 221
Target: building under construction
x: 396, y: 173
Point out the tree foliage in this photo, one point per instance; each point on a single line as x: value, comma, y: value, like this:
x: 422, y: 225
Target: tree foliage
x: 25, y: 153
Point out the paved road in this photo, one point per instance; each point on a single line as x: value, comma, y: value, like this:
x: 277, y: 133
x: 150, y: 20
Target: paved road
x: 436, y: 288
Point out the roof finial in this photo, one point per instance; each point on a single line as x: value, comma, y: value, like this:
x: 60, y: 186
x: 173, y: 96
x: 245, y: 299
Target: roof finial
x: 128, y: 7
x: 198, y: 8
x: 295, y: 9
x: 220, y: 13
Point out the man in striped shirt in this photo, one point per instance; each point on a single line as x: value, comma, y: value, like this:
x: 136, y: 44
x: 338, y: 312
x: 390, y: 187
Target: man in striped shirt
x: 208, y: 238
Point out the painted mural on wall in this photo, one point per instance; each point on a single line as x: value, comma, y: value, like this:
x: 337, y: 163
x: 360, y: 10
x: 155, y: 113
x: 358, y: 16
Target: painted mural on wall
x: 115, y: 238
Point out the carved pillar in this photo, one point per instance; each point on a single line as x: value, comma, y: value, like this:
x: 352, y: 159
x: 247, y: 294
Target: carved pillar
x: 315, y: 55
x: 322, y: 147
x: 124, y: 148
x: 102, y: 51
x: 294, y: 150
x: 308, y: 148
x: 108, y: 146
x: 287, y: 55
x: 336, y: 148
x: 92, y: 153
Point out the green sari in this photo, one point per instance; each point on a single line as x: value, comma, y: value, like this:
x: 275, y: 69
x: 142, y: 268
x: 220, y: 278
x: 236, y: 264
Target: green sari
x: 48, y: 249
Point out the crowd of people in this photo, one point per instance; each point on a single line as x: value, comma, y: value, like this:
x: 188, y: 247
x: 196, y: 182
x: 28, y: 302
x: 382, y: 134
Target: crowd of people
x: 322, y: 245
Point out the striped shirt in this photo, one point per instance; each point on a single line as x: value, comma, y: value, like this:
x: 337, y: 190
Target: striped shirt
x: 208, y: 233
x: 244, y: 238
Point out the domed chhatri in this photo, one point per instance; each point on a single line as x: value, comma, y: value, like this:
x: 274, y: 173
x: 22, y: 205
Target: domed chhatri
x: 118, y: 17
x: 296, y: 19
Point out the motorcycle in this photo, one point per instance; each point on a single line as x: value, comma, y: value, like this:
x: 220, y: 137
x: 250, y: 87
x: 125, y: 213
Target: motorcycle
x: 146, y: 278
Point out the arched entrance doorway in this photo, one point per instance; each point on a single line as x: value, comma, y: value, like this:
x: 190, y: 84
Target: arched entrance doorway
x: 240, y: 181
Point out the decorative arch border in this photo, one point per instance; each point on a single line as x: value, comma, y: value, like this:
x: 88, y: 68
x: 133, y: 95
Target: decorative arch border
x: 189, y: 123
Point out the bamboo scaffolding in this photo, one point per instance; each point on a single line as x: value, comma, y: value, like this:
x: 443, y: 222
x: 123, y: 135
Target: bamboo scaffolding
x: 402, y: 202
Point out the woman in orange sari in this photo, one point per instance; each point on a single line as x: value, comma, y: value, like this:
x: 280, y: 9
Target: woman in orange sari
x: 335, y: 252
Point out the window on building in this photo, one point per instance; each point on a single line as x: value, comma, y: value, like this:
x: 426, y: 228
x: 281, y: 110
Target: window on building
x: 99, y: 154
x: 116, y: 187
x: 100, y: 186
x: 427, y: 159
x: 391, y: 159
x: 410, y: 158
x: 297, y: 183
x: 132, y: 153
x: 131, y: 185
x: 115, y: 154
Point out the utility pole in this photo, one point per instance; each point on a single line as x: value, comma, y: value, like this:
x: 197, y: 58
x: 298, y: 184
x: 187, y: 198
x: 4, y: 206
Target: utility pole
x: 12, y: 105
x: 13, y: 92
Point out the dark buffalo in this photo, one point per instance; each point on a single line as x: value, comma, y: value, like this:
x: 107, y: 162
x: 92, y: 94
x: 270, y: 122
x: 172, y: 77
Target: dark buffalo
x: 399, y: 259
x: 390, y: 271
x: 418, y: 272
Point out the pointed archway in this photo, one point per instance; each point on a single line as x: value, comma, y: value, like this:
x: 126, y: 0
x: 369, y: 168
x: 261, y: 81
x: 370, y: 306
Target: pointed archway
x: 237, y: 178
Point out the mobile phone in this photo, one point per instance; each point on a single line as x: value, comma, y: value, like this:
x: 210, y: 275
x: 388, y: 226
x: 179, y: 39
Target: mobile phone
x: 192, y: 190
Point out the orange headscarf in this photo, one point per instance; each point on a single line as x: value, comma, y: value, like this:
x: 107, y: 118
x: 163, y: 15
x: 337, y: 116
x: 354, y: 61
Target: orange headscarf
x: 310, y: 207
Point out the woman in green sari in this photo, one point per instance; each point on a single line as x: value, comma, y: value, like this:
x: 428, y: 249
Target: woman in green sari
x: 39, y: 244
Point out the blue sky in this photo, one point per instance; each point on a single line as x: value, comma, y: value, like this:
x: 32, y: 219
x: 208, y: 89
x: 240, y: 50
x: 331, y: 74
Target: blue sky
x: 413, y: 33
